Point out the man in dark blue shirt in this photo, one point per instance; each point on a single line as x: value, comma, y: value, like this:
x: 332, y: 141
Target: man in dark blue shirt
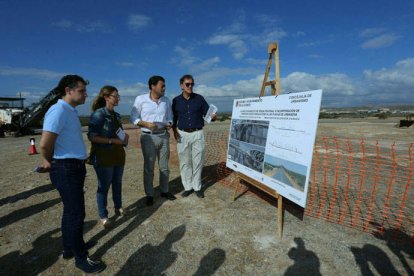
x: 189, y: 108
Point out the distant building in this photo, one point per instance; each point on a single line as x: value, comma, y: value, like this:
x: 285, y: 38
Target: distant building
x: 383, y: 110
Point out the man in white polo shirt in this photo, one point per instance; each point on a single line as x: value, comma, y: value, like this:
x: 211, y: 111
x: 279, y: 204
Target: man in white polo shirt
x: 64, y: 154
x: 152, y: 112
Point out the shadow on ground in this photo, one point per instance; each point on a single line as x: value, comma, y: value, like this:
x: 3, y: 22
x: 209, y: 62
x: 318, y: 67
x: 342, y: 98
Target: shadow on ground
x: 138, y: 212
x: 26, y: 194
x: 306, y: 262
x: 27, y: 212
x: 153, y: 260
x: 46, y: 251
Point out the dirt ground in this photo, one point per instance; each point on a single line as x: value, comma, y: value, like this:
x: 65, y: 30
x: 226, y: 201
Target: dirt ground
x: 188, y: 236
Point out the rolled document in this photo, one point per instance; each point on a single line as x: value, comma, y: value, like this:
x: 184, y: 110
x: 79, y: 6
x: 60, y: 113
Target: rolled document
x: 211, y: 110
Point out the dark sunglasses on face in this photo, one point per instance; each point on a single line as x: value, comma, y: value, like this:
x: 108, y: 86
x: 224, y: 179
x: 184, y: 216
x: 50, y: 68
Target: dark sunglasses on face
x: 188, y: 84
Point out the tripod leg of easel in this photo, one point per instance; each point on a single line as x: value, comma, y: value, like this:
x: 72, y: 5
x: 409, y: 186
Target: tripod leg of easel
x: 245, y: 187
x: 235, y: 191
x: 280, y: 215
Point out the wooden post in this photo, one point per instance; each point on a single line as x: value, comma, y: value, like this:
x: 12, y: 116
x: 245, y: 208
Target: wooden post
x: 273, y: 51
x: 280, y: 215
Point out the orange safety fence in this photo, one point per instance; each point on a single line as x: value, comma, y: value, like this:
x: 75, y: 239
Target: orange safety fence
x: 358, y: 183
x: 363, y: 184
x: 367, y: 185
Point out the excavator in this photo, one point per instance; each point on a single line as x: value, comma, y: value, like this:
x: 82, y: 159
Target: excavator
x: 20, y: 121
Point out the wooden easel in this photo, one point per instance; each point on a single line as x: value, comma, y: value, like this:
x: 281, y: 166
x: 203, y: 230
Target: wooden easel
x: 273, y: 51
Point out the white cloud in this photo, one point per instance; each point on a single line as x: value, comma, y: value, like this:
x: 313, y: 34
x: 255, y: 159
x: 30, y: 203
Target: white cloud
x: 314, y: 56
x: 88, y: 27
x: 338, y: 84
x: 339, y: 89
x: 245, y: 88
x: 129, y: 64
x: 255, y: 61
x: 91, y: 27
x: 224, y: 73
x: 266, y: 20
x: 394, y: 85
x: 208, y: 70
x: 233, y: 41
x: 208, y: 63
x: 184, y: 57
x: 30, y: 72
x: 371, y: 32
x: 275, y: 35
x: 114, y: 81
x: 238, y: 25
x: 233, y: 36
x: 137, y: 22
x: 238, y: 39
x: 223, y: 39
x: 125, y: 64
x: 399, y: 77
x: 152, y: 47
x: 299, y: 34
x: 63, y: 23
x: 133, y: 90
x: 315, y: 43
x: 381, y: 41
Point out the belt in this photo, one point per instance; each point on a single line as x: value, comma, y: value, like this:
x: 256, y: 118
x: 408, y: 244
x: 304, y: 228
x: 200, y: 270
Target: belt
x: 190, y: 129
x: 153, y: 133
x: 69, y: 160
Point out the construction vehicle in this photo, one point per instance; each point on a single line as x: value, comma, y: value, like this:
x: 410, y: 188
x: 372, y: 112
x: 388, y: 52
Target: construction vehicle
x: 407, y: 122
x: 19, y: 120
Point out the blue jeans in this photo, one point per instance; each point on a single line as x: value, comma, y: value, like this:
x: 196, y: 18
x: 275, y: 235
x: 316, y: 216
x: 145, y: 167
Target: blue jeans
x: 155, y: 147
x: 68, y: 176
x: 107, y: 176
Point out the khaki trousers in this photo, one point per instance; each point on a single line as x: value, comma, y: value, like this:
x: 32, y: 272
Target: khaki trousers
x: 191, y: 148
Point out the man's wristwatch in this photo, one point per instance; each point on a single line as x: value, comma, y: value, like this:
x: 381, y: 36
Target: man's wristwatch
x: 110, y: 141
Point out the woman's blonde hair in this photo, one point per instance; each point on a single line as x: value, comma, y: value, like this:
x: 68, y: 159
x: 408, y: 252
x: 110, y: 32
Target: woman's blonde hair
x: 99, y: 100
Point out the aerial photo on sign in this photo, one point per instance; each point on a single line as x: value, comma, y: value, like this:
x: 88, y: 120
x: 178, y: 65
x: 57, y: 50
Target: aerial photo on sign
x: 247, y: 142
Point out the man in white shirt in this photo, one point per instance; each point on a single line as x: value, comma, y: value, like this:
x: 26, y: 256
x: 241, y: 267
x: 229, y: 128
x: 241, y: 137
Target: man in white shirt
x: 153, y: 114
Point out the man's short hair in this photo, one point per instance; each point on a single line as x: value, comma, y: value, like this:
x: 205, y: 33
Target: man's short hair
x: 70, y: 81
x: 186, y: 77
x: 154, y: 80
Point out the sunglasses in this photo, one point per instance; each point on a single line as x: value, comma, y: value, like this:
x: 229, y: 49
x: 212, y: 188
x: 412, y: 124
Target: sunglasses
x: 188, y: 84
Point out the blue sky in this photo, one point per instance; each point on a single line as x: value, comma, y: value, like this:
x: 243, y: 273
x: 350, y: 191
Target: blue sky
x: 358, y: 52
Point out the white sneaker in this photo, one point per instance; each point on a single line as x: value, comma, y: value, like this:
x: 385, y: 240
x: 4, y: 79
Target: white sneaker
x: 106, y: 223
x: 120, y: 212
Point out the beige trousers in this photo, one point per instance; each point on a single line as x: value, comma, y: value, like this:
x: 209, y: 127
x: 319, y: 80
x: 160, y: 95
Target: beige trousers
x: 190, y: 148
